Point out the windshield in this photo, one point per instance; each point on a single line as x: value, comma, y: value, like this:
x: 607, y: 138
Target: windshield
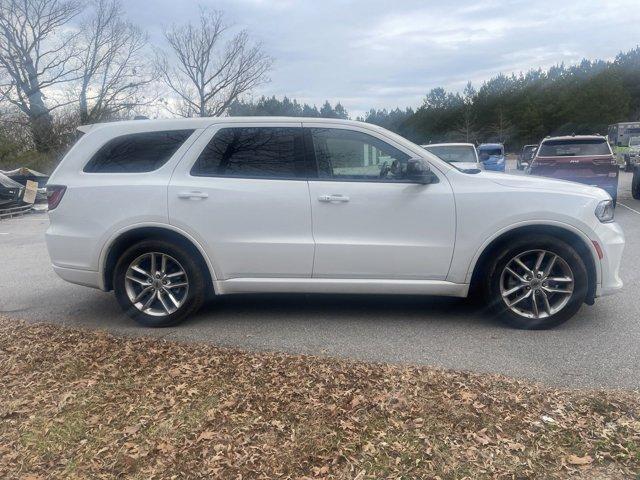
x: 491, y: 151
x: 529, y: 151
x: 454, y: 153
x: 574, y: 148
x: 634, y: 141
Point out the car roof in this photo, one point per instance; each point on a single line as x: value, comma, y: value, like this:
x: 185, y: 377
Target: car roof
x: 204, y: 122
x: 575, y: 137
x: 491, y: 145
x: 531, y: 145
x: 450, y: 144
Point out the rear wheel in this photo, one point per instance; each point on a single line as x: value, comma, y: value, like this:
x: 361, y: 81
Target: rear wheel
x: 158, y: 283
x: 635, y: 183
x: 536, y: 282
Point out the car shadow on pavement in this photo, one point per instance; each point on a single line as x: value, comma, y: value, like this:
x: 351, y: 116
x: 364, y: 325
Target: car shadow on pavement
x: 311, y: 307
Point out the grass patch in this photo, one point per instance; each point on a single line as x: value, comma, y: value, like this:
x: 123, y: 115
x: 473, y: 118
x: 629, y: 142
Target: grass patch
x: 82, y: 404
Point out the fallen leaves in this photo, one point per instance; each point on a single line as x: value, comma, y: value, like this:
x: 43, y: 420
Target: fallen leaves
x: 79, y: 404
x: 575, y: 460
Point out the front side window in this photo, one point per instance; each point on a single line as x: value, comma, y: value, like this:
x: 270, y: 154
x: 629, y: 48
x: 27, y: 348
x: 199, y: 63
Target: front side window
x: 574, y: 148
x: 254, y: 152
x: 137, y: 152
x: 351, y: 155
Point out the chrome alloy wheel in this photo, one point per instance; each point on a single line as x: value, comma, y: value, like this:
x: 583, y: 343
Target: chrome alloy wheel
x: 536, y: 284
x: 156, y: 284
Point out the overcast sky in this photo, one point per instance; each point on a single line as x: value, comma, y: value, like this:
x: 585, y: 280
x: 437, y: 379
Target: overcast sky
x: 376, y: 53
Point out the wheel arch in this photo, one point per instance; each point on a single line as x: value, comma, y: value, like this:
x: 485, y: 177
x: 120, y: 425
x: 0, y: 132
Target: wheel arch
x: 573, y: 237
x: 125, y: 238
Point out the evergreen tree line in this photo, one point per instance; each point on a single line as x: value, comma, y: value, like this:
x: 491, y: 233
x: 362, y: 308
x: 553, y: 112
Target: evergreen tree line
x: 522, y: 109
x: 272, y: 106
x: 515, y: 109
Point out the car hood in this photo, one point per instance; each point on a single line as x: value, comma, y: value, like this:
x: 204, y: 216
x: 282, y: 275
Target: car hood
x: 532, y: 182
x: 466, y: 165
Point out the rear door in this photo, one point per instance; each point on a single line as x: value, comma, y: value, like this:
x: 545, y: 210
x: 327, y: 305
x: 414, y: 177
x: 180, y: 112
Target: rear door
x: 367, y: 221
x: 242, y: 193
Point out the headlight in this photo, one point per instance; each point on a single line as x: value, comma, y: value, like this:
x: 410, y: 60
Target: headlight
x: 605, y: 211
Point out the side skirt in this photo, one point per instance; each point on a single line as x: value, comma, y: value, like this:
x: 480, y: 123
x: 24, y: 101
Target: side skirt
x: 349, y: 286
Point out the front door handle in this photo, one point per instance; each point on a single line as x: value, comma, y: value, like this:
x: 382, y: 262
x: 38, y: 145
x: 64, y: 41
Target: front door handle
x: 188, y: 195
x: 333, y: 198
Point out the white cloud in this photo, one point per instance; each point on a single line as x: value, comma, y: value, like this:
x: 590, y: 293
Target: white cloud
x: 375, y: 53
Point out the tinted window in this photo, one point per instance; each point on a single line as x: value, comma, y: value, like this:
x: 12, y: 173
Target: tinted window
x: 269, y: 152
x: 491, y: 151
x: 356, y: 156
x: 454, y: 153
x: 138, y: 152
x: 574, y: 148
x: 529, y: 152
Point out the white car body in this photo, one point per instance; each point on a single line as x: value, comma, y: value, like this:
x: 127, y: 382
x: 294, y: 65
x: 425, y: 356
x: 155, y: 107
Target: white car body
x: 267, y: 235
x: 477, y: 165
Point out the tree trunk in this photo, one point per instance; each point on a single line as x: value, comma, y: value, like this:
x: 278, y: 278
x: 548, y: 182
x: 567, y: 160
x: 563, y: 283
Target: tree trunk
x: 39, y: 114
x: 41, y: 124
x: 42, y: 131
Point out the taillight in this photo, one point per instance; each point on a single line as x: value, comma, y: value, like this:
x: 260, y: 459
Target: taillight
x: 54, y: 195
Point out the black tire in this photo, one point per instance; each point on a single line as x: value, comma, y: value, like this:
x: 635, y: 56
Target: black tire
x: 197, y: 290
x: 635, y: 183
x: 506, y: 253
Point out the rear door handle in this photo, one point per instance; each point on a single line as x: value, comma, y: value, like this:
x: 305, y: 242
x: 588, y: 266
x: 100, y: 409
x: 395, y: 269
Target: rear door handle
x: 333, y: 198
x: 188, y: 195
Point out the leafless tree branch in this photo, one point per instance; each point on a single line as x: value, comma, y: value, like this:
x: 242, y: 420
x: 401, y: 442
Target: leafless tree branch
x: 35, y: 55
x: 114, y: 70
x: 205, y: 72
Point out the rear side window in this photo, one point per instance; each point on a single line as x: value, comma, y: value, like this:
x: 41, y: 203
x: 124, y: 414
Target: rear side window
x: 254, y: 152
x: 137, y: 152
x: 574, y: 148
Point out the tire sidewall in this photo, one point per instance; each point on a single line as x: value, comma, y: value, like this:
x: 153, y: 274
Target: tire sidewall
x: 536, y: 242
x: 635, y: 183
x: 195, y: 276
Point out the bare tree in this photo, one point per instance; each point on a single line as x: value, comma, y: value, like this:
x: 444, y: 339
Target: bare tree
x: 35, y: 57
x: 207, y: 73
x: 114, y: 66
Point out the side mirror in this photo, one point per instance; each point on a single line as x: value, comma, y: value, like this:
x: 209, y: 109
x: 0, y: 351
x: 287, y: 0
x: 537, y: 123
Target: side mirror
x: 419, y: 172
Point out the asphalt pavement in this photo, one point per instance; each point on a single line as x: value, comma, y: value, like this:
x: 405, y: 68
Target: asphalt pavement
x: 599, y: 347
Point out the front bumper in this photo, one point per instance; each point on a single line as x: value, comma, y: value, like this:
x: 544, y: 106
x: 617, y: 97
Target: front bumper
x: 611, y: 240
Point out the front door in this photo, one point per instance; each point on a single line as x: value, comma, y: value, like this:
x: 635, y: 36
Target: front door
x: 242, y: 193
x: 368, y: 222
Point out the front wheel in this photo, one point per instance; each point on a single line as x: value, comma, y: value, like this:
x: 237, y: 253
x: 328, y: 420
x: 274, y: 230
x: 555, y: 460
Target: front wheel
x: 635, y: 183
x: 158, y: 283
x: 536, y: 282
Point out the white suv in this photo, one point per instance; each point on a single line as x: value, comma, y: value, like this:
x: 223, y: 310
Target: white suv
x: 165, y: 212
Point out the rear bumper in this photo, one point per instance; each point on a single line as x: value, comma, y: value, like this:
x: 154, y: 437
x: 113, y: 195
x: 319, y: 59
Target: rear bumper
x: 85, y: 278
x: 495, y: 167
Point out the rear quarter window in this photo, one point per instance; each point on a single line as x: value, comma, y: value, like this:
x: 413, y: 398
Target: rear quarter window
x: 137, y: 152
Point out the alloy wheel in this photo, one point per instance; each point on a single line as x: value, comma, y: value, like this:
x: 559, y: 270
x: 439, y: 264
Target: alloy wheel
x: 156, y: 284
x: 536, y: 284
